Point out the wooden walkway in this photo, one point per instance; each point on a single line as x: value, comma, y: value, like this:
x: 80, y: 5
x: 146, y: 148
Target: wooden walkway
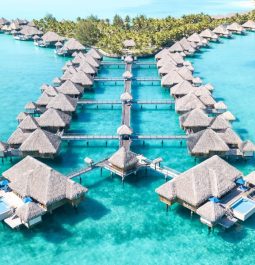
x: 118, y: 102
x: 119, y: 79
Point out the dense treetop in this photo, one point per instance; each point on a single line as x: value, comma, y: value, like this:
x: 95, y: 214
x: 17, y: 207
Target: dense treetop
x: 149, y: 34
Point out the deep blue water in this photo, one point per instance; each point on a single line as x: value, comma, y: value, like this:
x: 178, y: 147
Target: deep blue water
x: 107, y: 9
x: 126, y: 224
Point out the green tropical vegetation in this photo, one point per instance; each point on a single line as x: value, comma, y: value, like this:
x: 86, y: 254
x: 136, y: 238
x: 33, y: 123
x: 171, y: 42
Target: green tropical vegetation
x: 149, y: 34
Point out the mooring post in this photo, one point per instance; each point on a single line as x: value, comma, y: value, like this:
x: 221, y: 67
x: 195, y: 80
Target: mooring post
x: 80, y: 180
x: 101, y: 171
x: 106, y: 143
x: 181, y: 143
x: 87, y: 143
x: 162, y: 143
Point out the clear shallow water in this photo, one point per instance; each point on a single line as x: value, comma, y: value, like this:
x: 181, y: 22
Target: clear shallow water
x: 155, y: 8
x: 116, y: 224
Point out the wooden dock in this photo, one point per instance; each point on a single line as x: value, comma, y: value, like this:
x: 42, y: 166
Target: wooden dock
x: 118, y: 102
x: 119, y: 79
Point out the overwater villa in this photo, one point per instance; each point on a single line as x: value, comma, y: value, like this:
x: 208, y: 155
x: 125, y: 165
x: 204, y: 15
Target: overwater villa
x: 196, y: 38
x: 27, y: 33
x: 235, y: 28
x: 214, y: 190
x: 129, y: 44
x: 249, y: 25
x: 71, y: 46
x: 38, y: 190
x: 49, y: 39
x: 72, y: 89
x: 222, y: 31
x: 209, y: 35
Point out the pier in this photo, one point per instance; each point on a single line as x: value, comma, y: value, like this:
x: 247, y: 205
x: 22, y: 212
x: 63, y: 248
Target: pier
x: 118, y: 102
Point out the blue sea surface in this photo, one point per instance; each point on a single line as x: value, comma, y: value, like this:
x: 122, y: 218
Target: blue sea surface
x: 107, y: 9
x: 127, y: 224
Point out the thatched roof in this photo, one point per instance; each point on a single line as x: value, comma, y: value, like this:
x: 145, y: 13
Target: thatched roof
x: 185, y: 73
x: 188, y: 102
x: 56, y: 80
x: 126, y: 96
x: 21, y: 116
x: 172, y: 78
x: 127, y: 75
x: 219, y: 123
x: 165, y: 60
x: 250, y: 178
x: 71, y: 89
x: 42, y: 142
x: 177, y: 58
x: 228, y: 116
x: 230, y: 137
x: 235, y: 27
x: 167, y: 190
x: 250, y: 24
x: 181, y: 89
x: 73, y: 45
x: 92, y: 61
x: 3, y: 146
x: 220, y: 105
x: 30, y: 106
x: 162, y: 54
x: 87, y: 68
x: 195, y: 118
x: 205, y: 142
x: 208, y: 34
x: 166, y: 68
x: 82, y: 79
x: 187, y: 45
x: 70, y: 69
x: 221, y: 30
x: 28, y: 124
x: 129, y: 43
x: 176, y: 47
x: 54, y: 118
x: 207, y: 100
x: 30, y: 31
x: 44, y: 99
x: 201, y: 91
x: 40, y: 182
x: 52, y: 37
x: 247, y: 146
x: 208, y: 87
x: 124, y: 130
x: 18, y: 137
x: 123, y: 159
x: 74, y: 190
x: 95, y: 53
x: 63, y: 102
x: 213, y: 177
x: 67, y: 75
x: 128, y: 59
x: 29, y: 211
x: 195, y: 37
x: 4, y: 21
x: 51, y: 91
x: 211, y: 211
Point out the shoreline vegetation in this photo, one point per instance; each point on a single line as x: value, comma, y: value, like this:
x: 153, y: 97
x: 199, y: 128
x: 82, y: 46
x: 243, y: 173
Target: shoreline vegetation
x: 149, y: 34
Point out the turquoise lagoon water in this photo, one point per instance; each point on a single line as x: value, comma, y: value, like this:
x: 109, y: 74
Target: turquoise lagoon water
x: 124, y: 224
x: 107, y: 9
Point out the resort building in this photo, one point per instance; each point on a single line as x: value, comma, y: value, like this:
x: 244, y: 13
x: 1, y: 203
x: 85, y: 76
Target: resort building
x: 249, y: 25
x: 222, y: 31
x: 214, y: 190
x: 37, y: 191
x: 71, y: 46
x: 209, y: 35
x: 49, y: 39
x: 235, y: 28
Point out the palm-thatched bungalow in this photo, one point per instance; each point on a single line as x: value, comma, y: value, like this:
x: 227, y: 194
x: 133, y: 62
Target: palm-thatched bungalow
x: 56, y: 81
x: 17, y: 138
x: 172, y: 78
x: 188, y: 103
x: 207, y: 100
x: 222, y: 31
x: 209, y: 87
x: 166, y: 68
x: 235, y: 28
x: 129, y: 44
x: 3, y: 149
x: 92, y: 61
x: 4, y: 21
x: 63, y: 103
x: 177, y: 47
x: 47, y: 188
x: 31, y: 107
x: 54, y: 120
x: 194, y: 121
x: 29, y: 124
x: 206, y: 143
x: 44, y: 100
x: 220, y: 107
x: 202, y: 188
x: 177, y: 58
x: 123, y: 163
x: 71, y: 89
x: 162, y: 54
x: 71, y: 46
x: 249, y: 25
x: 85, y: 67
x: 181, y: 89
x: 165, y: 60
x: 247, y: 148
x: 49, y: 39
x: 128, y: 59
x: 231, y: 138
x: 209, y: 35
x: 27, y: 32
x: 124, y: 131
x: 185, y: 73
x: 21, y: 116
x: 219, y: 124
x: 41, y: 143
x: 228, y: 116
x: 82, y: 79
x: 196, y: 38
x: 189, y: 48
x: 95, y: 54
x: 66, y: 76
